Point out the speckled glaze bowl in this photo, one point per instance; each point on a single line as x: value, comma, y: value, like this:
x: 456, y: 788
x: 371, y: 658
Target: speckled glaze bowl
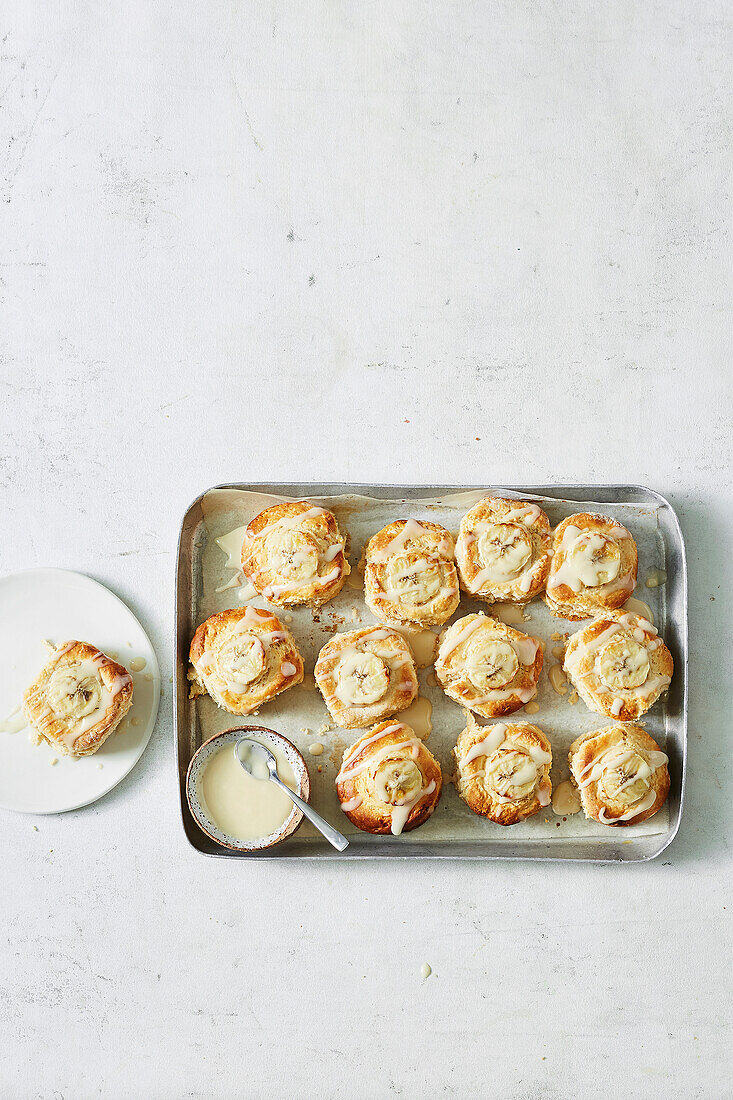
x: 196, y: 804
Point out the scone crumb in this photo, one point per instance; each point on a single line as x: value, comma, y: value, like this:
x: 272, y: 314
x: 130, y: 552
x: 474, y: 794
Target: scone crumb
x: 53, y: 760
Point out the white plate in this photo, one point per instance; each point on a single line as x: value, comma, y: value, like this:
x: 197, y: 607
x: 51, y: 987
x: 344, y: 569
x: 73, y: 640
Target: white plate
x: 58, y: 605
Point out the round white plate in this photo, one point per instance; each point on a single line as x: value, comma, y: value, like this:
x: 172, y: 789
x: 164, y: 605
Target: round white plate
x: 58, y: 605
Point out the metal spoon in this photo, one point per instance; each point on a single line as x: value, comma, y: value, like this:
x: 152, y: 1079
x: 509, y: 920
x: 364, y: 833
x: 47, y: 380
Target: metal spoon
x: 259, y: 753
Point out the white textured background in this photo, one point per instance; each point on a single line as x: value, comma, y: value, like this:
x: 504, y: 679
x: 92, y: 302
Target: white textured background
x: 413, y: 241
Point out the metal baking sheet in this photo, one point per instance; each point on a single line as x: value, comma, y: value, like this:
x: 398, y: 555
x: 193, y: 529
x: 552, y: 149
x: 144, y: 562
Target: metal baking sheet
x: 194, y: 723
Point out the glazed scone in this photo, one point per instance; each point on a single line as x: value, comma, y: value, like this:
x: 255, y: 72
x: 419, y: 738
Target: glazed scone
x: 366, y: 675
x: 619, y: 665
x: 593, y: 567
x: 389, y: 781
x: 242, y: 658
x: 621, y: 774
x: 503, y: 550
x: 487, y: 666
x: 78, y: 699
x: 503, y: 770
x: 410, y: 576
x: 294, y: 554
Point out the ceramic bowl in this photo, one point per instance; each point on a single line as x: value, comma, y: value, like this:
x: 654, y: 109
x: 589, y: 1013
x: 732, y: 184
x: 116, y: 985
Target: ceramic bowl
x: 197, y: 806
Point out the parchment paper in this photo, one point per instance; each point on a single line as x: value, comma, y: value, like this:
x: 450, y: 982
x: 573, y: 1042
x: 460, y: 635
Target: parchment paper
x: 301, y: 715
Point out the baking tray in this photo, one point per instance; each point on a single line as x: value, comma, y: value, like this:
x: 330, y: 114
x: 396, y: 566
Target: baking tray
x: 613, y: 846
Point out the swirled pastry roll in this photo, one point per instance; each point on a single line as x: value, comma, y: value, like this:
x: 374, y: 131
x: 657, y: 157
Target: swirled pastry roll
x: 487, y: 666
x: 503, y: 771
x: 410, y: 576
x: 294, y: 554
x: 621, y: 774
x: 593, y: 568
x: 389, y: 781
x: 366, y: 675
x: 618, y: 665
x: 502, y: 550
x: 243, y: 657
x: 78, y: 699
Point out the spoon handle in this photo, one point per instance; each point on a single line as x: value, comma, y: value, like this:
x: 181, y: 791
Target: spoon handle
x: 333, y: 836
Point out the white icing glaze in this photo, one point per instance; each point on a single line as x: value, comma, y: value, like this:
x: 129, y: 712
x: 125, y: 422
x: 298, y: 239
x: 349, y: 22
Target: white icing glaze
x: 558, y: 679
x: 451, y: 643
x: 286, y: 589
x: 495, y: 737
x: 231, y: 544
x: 401, y: 813
x: 638, y: 607
x: 14, y: 722
x: 638, y: 808
x: 498, y: 695
x: 579, y: 568
x: 245, y: 806
x: 362, y: 743
x: 233, y: 582
x: 565, y: 799
x: 285, y: 523
x: 412, y: 529
x: 526, y: 649
x: 418, y: 717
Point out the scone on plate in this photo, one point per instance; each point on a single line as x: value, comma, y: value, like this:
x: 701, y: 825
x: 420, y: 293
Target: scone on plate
x: 78, y: 699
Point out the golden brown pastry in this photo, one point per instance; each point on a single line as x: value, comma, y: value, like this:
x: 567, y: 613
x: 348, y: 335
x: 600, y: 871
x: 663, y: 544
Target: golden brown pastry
x: 487, y: 666
x: 410, y: 576
x: 366, y: 675
x: 78, y: 699
x: 503, y: 771
x: 242, y: 658
x: 294, y: 554
x: 503, y: 550
x: 389, y: 781
x: 620, y: 773
x: 593, y: 567
x: 619, y: 665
